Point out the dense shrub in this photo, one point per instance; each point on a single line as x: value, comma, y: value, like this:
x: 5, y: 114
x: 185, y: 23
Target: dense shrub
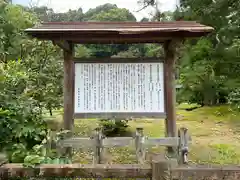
x: 114, y: 127
x: 21, y: 123
x: 234, y: 99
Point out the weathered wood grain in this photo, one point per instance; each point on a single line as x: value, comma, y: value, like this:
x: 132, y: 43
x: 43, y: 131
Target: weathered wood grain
x: 77, y: 171
x: 117, y: 142
x: 170, y: 93
x: 98, y: 146
x: 206, y: 173
x: 123, y: 171
x: 168, y: 141
x: 78, y: 143
x: 68, y: 89
x: 68, y: 92
x: 160, y: 170
x: 183, y: 145
x: 139, y: 145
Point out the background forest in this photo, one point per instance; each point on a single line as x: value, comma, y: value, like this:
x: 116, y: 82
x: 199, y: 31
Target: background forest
x: 31, y: 71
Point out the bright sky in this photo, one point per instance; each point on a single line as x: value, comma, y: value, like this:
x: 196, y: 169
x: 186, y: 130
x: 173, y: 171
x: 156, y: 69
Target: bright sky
x: 132, y: 5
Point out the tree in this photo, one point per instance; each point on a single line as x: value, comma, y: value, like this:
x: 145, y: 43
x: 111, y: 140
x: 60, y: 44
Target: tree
x: 116, y: 14
x: 41, y: 59
x: 198, y: 75
x: 108, y: 12
x: 71, y: 15
x: 43, y: 13
x: 45, y: 69
x: 12, y: 39
x: 21, y: 122
x: 209, y: 66
x: 99, y: 9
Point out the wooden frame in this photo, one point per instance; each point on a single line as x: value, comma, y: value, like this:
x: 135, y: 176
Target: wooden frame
x: 123, y: 115
x: 119, y: 60
x: 118, y: 142
x: 141, y: 142
x: 169, y: 89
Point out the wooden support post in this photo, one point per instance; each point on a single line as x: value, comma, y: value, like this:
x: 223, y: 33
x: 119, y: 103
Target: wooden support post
x: 161, y: 170
x: 63, y: 45
x: 98, y: 146
x: 68, y: 91
x: 183, y: 145
x: 169, y: 93
x: 140, y: 151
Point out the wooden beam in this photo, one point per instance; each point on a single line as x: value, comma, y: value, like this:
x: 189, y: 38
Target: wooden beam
x: 120, y: 171
x: 122, y: 115
x: 68, y: 89
x: 226, y: 172
x: 110, y: 37
x: 117, y: 142
x: 169, y: 92
x: 168, y: 141
x: 63, y: 44
x: 76, y: 171
x: 119, y: 60
x: 82, y: 142
x: 78, y: 143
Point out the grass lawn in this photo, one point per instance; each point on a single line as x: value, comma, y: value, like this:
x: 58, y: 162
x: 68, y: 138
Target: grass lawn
x: 215, y: 133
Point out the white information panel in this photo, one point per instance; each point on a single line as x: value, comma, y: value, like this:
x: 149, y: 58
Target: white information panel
x: 119, y: 87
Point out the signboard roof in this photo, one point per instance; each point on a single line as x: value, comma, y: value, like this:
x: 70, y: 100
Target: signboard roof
x: 118, y: 32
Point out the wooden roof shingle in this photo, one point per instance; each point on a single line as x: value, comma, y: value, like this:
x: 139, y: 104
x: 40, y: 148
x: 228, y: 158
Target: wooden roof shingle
x: 118, y: 32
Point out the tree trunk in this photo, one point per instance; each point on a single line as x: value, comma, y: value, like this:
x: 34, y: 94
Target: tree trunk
x: 50, y: 111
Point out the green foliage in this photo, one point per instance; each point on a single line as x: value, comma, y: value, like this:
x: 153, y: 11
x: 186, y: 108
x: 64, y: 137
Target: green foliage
x: 20, y: 118
x: 198, y: 77
x: 46, y: 152
x: 141, y: 50
x: 205, y: 78
x: 99, y: 9
x: 209, y: 68
x: 43, y: 153
x: 108, y: 12
x: 226, y: 153
x: 13, y: 20
x: 114, y: 127
x: 82, y: 51
x: 40, y: 60
x: 116, y: 14
x: 234, y: 99
x: 45, y: 69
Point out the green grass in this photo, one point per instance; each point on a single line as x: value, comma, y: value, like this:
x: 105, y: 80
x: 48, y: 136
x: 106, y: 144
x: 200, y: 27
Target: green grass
x: 215, y: 133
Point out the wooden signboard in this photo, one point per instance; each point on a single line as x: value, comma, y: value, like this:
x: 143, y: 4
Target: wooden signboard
x: 119, y: 89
